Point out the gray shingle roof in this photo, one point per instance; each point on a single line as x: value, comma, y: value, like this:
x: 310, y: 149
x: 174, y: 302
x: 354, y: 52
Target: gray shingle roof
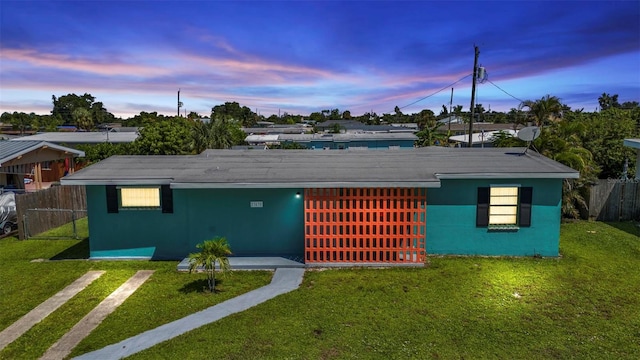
x: 423, y: 167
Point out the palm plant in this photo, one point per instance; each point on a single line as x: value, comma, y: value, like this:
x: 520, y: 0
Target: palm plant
x: 212, y: 252
x: 561, y: 142
x: 216, y: 134
x: 219, y: 133
x: 83, y: 118
x: 200, y: 131
x: 544, y: 109
x: 429, y: 135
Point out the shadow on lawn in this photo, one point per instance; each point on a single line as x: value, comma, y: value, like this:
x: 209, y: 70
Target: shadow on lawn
x: 77, y: 251
x: 631, y: 227
x: 200, y: 286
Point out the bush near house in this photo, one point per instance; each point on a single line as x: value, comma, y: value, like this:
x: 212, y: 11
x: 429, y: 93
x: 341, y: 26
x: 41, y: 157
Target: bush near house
x: 212, y: 252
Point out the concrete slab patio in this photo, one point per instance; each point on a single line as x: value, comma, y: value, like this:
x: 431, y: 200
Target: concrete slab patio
x: 284, y: 280
x: 253, y: 263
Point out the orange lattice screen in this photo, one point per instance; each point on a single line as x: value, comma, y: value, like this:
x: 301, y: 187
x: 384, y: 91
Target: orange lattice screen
x: 365, y: 225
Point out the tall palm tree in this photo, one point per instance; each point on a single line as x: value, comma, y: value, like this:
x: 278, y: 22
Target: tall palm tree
x: 560, y: 143
x: 212, y: 252
x: 545, y: 109
x: 607, y: 101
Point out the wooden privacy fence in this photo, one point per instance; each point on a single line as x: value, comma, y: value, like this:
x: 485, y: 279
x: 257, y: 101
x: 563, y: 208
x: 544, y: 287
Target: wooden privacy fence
x: 365, y: 225
x: 49, y: 208
x: 615, y: 200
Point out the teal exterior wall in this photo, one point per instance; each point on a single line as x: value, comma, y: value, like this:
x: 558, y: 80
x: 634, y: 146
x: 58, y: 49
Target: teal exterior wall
x: 277, y: 228
x: 451, y: 220
x: 200, y: 214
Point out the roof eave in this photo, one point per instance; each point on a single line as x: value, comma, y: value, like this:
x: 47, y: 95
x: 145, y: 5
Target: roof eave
x: 308, y: 184
x: 250, y: 185
x: 466, y: 176
x: 124, y: 182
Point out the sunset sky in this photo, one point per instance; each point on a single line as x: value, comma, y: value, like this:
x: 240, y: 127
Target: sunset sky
x: 305, y: 56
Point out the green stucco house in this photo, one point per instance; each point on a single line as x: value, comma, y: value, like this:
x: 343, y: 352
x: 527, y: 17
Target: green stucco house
x: 327, y: 207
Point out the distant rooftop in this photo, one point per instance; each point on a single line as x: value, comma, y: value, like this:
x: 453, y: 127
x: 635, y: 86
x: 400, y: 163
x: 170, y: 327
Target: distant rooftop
x: 632, y: 143
x: 15, y: 150
x: 93, y: 137
x: 482, y: 137
x: 330, y: 137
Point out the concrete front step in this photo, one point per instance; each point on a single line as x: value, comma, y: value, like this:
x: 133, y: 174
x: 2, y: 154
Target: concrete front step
x: 252, y: 263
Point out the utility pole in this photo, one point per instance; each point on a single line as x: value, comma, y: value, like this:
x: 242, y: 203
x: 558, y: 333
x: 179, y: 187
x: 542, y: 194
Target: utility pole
x: 450, y: 105
x: 473, y: 94
x: 179, y: 103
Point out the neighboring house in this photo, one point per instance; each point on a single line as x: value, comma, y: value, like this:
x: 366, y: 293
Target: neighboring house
x: 479, y: 139
x: 33, y: 160
x: 74, y: 138
x: 453, y: 119
x: 410, y: 126
x: 354, y: 126
x: 286, y: 129
x: 327, y: 207
x: 463, y: 129
x: 338, y: 141
x: 635, y: 144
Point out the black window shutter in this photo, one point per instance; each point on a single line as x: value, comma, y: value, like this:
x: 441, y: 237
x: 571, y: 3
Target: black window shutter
x: 112, y: 199
x: 167, y: 200
x: 526, y: 197
x: 482, y: 212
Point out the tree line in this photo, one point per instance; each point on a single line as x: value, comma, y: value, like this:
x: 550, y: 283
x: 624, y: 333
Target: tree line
x: 588, y: 142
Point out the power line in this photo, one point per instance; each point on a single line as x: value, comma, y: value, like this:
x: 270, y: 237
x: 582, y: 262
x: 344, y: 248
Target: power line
x: 430, y: 95
x: 491, y: 82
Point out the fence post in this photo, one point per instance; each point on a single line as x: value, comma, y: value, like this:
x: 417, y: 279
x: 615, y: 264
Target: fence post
x: 73, y: 220
x: 25, y: 223
x: 621, y: 203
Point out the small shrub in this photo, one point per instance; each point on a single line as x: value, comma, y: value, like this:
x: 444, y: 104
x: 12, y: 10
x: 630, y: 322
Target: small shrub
x: 211, y: 252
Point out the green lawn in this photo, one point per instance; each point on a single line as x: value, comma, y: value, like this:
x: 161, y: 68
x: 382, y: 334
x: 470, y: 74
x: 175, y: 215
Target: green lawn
x: 168, y: 295
x: 585, y: 304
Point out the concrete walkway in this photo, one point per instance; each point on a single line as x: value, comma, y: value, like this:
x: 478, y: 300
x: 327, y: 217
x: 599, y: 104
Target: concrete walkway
x: 63, y: 347
x: 284, y: 280
x: 15, y: 330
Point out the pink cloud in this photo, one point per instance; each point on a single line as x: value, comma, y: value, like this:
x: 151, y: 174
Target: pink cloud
x: 65, y: 62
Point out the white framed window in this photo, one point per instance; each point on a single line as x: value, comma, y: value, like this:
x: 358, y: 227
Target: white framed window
x: 140, y: 197
x: 503, y: 205
x: 506, y: 206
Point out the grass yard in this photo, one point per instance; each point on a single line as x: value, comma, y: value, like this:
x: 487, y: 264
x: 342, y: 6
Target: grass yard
x: 166, y: 296
x: 584, y: 305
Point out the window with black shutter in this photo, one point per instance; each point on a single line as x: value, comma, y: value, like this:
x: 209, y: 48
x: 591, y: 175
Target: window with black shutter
x: 139, y: 198
x: 167, y: 199
x: 112, y: 199
x: 504, y: 206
